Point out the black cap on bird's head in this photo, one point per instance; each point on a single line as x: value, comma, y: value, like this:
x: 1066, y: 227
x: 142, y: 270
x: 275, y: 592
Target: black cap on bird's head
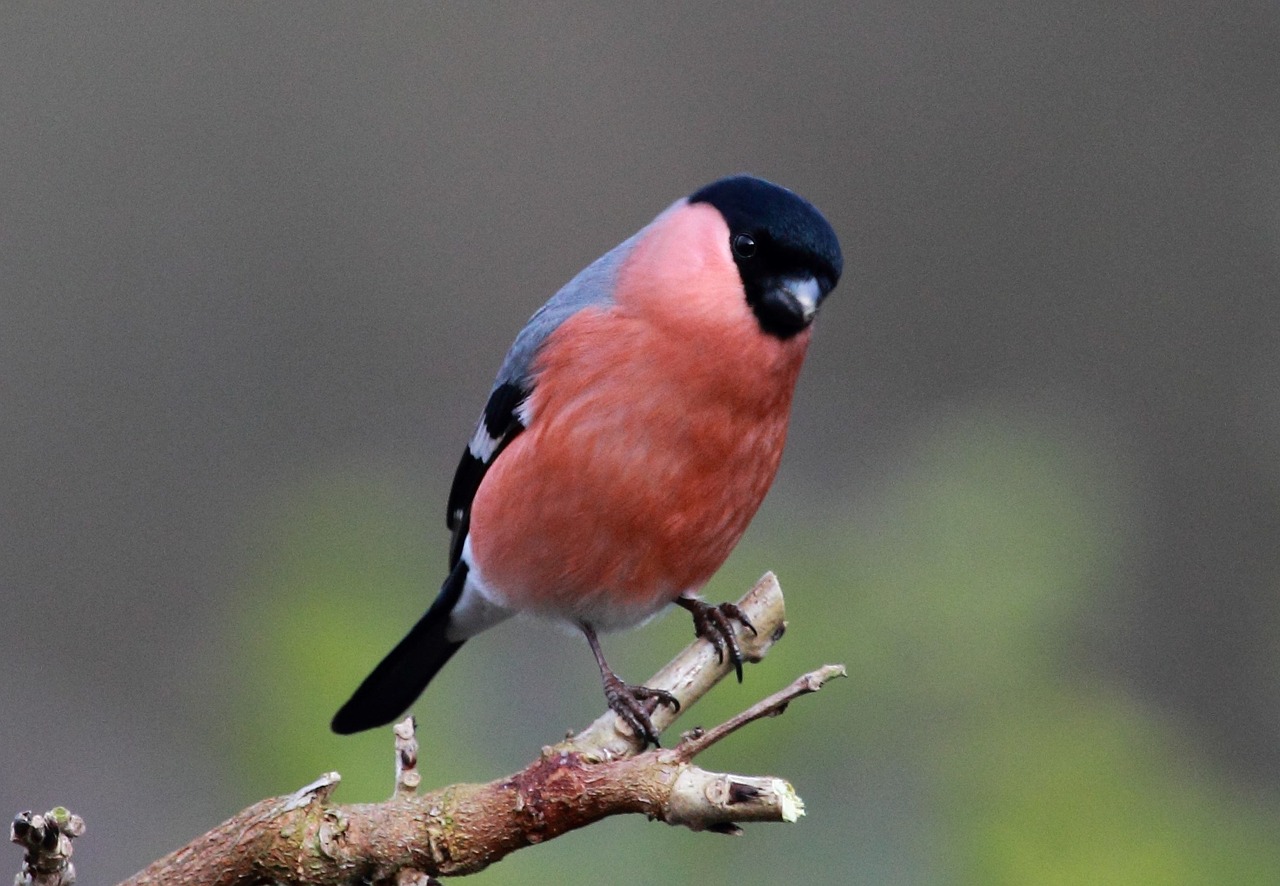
x: 786, y: 252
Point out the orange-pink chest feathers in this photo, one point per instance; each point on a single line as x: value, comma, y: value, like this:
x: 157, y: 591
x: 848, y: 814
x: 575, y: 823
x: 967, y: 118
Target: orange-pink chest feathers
x: 656, y: 426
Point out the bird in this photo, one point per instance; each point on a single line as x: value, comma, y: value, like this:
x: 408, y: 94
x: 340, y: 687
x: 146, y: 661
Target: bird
x: 633, y: 430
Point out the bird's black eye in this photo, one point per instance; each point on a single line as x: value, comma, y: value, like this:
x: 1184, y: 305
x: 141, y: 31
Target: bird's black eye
x: 744, y: 245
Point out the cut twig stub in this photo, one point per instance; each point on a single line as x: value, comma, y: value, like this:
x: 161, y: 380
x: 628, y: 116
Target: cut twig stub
x: 407, y: 776
x: 46, y: 841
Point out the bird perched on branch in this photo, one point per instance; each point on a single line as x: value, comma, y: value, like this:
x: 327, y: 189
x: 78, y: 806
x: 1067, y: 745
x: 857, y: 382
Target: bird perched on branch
x: 633, y: 430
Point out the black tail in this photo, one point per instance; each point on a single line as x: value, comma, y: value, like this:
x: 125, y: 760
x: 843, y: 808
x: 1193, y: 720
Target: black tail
x: 405, y: 672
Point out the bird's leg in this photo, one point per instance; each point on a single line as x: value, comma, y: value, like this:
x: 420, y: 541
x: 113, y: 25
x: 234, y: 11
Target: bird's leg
x: 715, y: 623
x: 626, y: 700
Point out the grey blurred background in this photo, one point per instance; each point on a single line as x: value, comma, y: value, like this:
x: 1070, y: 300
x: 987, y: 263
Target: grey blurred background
x: 260, y: 262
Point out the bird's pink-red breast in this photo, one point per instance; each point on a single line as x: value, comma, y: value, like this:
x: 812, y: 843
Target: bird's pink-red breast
x: 685, y: 441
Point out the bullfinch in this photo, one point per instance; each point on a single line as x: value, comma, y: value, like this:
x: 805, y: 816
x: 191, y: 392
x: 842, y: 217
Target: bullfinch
x: 633, y: 430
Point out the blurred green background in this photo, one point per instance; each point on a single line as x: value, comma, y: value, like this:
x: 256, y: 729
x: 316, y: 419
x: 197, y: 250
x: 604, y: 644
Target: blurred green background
x: 261, y: 262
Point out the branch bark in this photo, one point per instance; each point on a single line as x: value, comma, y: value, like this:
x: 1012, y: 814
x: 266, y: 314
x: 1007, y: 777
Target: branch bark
x: 305, y: 839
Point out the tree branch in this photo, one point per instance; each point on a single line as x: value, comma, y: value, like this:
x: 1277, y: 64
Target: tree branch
x: 302, y: 838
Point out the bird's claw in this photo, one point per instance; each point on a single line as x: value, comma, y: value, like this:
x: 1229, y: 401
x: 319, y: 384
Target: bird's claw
x: 715, y: 624
x: 635, y: 704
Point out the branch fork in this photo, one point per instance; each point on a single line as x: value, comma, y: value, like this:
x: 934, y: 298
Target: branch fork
x: 604, y: 770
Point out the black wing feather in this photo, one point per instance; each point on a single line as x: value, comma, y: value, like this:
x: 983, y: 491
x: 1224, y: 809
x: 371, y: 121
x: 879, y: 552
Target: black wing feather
x: 502, y: 423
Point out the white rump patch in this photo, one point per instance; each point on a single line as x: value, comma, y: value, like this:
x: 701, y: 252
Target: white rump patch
x: 477, y: 609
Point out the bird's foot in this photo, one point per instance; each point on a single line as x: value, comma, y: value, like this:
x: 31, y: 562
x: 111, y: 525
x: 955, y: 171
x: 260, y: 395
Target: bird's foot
x: 635, y: 704
x: 715, y: 624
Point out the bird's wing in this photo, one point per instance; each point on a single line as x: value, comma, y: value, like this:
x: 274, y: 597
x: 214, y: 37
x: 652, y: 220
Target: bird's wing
x: 504, y: 416
x: 497, y: 427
